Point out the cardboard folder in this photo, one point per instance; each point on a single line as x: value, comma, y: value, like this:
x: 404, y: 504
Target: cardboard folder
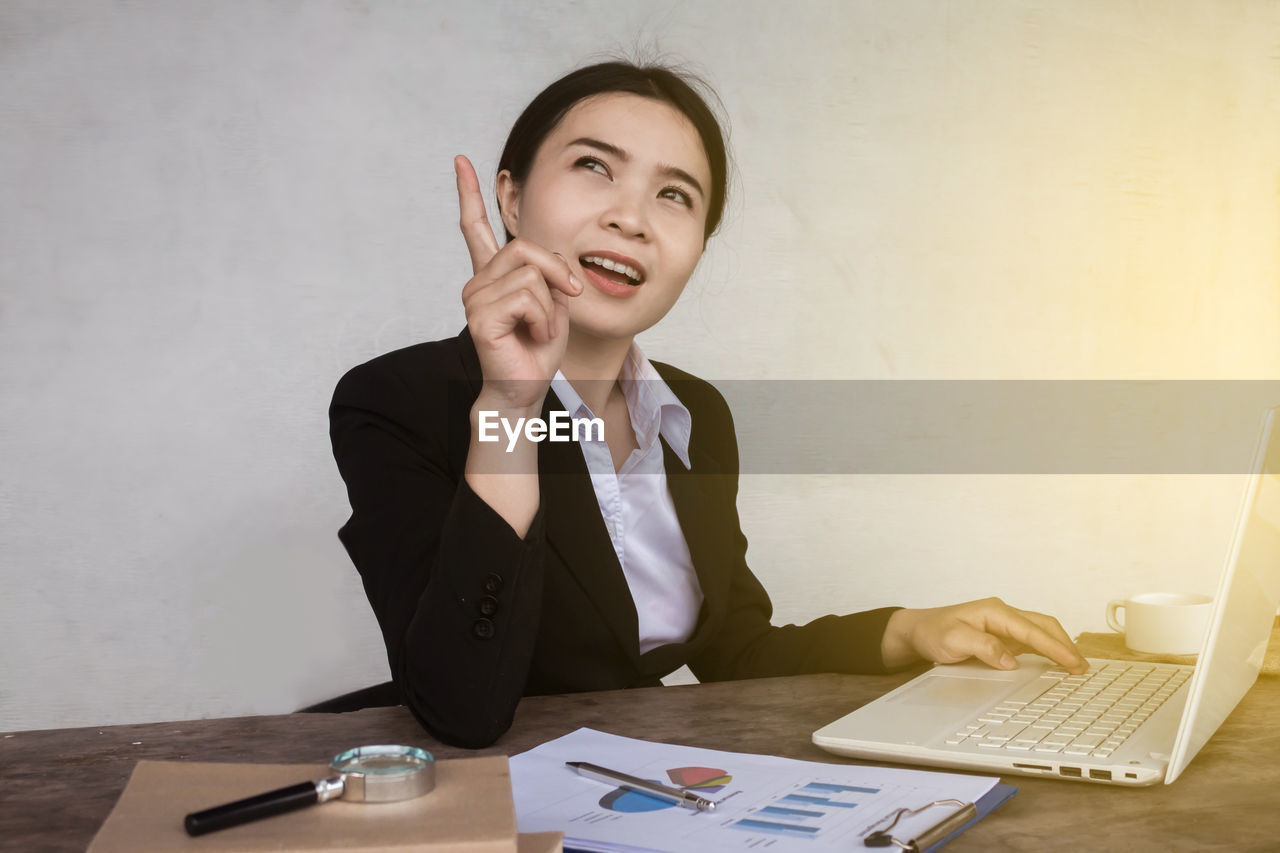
x: 470, y: 809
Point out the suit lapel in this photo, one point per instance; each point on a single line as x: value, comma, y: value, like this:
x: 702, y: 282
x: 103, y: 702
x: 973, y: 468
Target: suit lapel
x: 575, y: 530
x: 698, y: 511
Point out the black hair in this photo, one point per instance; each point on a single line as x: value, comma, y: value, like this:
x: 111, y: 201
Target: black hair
x: 659, y: 82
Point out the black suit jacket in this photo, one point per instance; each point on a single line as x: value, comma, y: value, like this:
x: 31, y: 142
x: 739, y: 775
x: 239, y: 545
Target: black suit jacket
x: 474, y: 617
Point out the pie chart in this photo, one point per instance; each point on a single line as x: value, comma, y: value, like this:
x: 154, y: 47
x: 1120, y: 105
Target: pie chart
x: 705, y: 780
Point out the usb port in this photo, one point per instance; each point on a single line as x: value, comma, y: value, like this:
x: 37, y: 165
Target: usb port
x: 1099, y: 774
x: 1068, y: 771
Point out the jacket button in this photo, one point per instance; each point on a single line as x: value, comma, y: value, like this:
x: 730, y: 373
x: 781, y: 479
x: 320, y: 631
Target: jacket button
x: 493, y: 583
x: 482, y: 628
x: 488, y: 606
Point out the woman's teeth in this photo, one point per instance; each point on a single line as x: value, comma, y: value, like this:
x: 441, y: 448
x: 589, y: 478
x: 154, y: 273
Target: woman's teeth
x: 630, y: 272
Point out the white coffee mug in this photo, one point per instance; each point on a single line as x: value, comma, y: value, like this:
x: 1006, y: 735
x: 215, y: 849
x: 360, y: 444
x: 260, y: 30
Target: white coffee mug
x: 1162, y: 623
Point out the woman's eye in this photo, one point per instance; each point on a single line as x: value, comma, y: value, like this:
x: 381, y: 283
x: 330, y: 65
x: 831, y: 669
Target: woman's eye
x: 677, y: 195
x: 593, y: 164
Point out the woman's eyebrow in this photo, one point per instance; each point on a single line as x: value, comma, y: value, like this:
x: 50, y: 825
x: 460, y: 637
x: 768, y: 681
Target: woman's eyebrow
x: 614, y: 151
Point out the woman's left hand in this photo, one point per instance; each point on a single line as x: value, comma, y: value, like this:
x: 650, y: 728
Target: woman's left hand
x: 989, y: 630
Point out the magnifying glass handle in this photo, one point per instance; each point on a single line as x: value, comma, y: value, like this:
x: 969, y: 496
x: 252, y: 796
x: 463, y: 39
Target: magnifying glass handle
x: 259, y: 806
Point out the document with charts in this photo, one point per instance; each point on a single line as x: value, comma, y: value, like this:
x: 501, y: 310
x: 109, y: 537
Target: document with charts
x: 763, y: 802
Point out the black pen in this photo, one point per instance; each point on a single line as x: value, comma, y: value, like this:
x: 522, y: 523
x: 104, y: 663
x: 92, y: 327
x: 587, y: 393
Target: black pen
x: 678, y: 796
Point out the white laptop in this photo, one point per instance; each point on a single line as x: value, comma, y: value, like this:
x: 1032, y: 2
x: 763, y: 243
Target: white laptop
x: 1141, y: 723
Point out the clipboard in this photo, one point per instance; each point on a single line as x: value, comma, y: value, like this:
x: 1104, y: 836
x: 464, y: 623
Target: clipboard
x: 992, y: 800
x: 956, y: 818
x: 761, y: 800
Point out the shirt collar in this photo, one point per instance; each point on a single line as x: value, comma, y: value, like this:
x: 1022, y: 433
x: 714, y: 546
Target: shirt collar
x: 654, y: 407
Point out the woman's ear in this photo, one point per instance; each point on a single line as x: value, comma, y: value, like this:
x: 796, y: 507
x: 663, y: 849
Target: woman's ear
x: 509, y: 202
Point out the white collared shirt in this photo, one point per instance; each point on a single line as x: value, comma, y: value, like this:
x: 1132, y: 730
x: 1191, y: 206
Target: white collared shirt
x: 636, y: 505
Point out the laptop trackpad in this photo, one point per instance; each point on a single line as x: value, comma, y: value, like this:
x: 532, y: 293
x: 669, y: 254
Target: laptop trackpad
x: 950, y: 691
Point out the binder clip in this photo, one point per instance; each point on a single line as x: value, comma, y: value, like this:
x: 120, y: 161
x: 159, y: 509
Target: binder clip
x: 963, y: 814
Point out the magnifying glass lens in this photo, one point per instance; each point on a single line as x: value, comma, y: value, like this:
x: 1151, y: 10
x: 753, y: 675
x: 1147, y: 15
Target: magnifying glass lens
x: 380, y: 760
x: 384, y: 774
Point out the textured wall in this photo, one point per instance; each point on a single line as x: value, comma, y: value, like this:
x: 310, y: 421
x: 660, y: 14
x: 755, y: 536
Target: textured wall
x: 211, y: 210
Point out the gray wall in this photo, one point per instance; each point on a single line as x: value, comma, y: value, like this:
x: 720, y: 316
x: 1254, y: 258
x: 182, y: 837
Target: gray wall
x: 211, y: 210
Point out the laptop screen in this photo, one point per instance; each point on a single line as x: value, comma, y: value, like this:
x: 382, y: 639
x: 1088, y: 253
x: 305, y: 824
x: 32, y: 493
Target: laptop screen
x: 1244, y: 608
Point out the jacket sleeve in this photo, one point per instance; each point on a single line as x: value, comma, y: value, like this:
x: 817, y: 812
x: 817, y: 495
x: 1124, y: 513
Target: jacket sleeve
x: 456, y: 592
x: 747, y: 644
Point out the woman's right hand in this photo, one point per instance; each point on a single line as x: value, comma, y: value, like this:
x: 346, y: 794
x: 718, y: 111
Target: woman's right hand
x: 517, y: 304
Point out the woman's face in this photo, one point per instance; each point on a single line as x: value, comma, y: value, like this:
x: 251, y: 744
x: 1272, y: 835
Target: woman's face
x: 622, y: 178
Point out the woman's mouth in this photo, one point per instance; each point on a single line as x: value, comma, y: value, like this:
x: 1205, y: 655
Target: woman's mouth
x: 612, y: 275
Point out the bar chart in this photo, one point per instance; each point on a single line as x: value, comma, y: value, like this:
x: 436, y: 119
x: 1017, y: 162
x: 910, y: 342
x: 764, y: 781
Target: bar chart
x: 807, y: 810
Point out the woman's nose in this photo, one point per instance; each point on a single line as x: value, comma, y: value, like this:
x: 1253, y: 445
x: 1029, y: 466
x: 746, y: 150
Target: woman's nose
x: 627, y: 216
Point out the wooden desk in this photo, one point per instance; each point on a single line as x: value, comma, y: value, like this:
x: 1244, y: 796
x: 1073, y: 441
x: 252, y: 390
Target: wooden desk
x: 57, y: 786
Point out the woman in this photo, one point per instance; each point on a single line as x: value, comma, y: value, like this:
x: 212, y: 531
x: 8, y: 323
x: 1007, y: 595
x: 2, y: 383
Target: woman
x: 513, y: 567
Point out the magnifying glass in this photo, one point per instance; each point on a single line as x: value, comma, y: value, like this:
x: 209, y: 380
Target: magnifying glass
x: 366, y: 774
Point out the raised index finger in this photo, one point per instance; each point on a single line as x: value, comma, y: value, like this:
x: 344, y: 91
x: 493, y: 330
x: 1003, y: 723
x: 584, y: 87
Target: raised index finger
x: 474, y: 221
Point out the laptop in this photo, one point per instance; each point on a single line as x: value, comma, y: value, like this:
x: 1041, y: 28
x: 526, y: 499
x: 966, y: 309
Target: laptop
x: 1122, y: 723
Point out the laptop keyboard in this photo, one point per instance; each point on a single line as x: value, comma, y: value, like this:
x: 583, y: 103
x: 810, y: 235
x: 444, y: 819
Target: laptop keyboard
x: 1089, y: 714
